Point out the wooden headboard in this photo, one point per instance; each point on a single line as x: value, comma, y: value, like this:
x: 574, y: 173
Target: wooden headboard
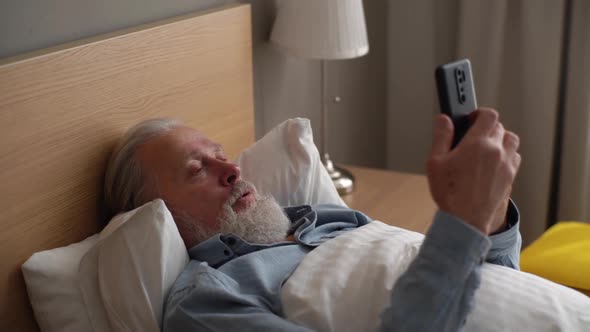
x: 63, y: 109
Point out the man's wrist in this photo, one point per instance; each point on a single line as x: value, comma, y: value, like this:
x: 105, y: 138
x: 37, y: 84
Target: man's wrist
x: 511, y: 217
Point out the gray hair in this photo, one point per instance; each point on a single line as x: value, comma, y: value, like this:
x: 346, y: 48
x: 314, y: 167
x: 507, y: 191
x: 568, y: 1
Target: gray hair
x: 124, y: 185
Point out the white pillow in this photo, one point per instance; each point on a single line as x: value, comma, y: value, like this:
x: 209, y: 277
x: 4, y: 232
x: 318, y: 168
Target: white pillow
x: 334, y: 290
x: 284, y: 163
x: 51, y: 277
x: 133, y: 268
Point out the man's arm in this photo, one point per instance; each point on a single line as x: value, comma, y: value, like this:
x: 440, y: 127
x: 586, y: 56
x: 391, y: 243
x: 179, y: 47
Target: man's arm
x: 231, y: 316
x: 470, y: 184
x: 454, y: 250
x: 435, y: 293
x: 217, y: 303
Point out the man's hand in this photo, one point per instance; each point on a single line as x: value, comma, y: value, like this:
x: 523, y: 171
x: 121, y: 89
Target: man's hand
x: 474, y: 180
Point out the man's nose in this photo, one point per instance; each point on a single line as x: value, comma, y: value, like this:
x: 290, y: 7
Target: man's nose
x: 230, y: 173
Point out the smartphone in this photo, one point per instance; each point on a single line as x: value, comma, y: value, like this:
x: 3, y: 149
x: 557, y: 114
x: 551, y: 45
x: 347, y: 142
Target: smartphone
x: 456, y: 94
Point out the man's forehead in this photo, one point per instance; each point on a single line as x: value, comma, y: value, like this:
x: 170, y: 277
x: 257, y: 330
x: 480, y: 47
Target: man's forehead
x: 195, y: 140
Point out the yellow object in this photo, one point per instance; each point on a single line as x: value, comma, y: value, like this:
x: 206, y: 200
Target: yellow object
x: 562, y: 255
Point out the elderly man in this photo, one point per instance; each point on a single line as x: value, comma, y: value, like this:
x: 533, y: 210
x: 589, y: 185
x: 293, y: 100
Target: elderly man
x: 243, y: 246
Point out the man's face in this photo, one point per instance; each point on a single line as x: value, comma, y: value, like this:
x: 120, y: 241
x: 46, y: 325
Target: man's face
x: 202, y: 188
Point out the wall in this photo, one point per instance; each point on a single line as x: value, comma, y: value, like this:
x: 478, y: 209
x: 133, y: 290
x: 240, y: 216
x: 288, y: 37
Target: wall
x: 284, y: 86
x: 32, y: 24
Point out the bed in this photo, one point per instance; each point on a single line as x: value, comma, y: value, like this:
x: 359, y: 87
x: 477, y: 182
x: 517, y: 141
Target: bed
x: 62, y: 109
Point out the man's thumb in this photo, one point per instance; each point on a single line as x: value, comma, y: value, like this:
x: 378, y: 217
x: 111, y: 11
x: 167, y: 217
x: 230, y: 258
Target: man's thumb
x: 442, y: 139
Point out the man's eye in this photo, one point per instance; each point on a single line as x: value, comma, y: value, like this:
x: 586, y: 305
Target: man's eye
x: 222, y: 158
x: 195, y: 171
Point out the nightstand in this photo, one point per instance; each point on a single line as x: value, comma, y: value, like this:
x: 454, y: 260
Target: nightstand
x: 395, y: 198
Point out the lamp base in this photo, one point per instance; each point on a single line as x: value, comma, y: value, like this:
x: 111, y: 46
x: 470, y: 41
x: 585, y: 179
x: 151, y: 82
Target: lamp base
x: 343, y: 180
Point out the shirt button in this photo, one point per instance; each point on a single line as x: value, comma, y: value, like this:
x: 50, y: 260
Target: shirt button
x: 226, y: 252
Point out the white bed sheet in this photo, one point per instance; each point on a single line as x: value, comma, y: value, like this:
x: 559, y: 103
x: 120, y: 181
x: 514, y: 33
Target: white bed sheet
x: 345, y: 284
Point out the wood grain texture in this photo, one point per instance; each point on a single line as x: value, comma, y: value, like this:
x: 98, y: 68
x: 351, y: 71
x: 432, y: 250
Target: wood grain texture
x: 398, y: 199
x: 63, y: 109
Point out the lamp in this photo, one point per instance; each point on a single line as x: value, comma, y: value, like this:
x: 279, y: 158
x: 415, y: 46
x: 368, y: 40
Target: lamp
x: 323, y: 30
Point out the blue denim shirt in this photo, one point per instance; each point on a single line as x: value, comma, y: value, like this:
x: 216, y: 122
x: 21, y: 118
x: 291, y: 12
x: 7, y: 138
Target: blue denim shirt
x: 233, y: 285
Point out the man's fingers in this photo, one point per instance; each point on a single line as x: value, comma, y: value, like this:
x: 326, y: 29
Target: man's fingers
x: 485, y: 121
x: 511, y: 141
x: 516, y: 160
x: 498, y: 132
x: 442, y: 139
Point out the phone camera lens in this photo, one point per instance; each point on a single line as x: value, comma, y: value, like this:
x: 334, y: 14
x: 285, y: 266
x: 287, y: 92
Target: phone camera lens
x: 463, y: 98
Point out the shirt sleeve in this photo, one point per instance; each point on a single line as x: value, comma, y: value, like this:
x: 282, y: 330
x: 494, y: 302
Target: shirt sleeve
x: 436, y: 291
x: 505, y: 249
x: 216, y: 303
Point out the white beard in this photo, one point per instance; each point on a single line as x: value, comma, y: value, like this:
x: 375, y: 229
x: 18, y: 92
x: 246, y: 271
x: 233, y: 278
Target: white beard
x: 263, y: 222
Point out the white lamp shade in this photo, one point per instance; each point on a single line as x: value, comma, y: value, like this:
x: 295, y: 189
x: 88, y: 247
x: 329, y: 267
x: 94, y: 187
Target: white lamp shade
x: 321, y: 29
